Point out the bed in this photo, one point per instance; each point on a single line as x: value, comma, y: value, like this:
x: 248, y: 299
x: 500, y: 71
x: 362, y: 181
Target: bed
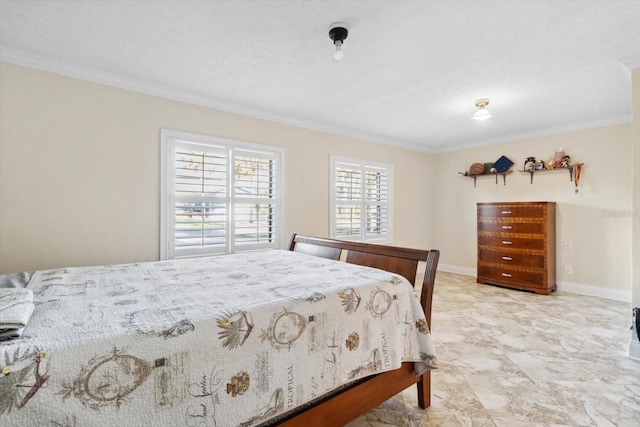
x: 308, y: 336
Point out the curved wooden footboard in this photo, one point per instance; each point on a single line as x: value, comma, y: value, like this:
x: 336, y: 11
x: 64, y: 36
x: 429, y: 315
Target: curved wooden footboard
x: 353, y: 401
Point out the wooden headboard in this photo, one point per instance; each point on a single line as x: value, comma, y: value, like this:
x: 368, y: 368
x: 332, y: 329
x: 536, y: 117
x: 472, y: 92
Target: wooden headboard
x: 402, y: 261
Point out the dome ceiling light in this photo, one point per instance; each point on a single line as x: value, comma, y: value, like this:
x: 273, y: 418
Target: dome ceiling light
x: 482, y: 113
x: 338, y: 32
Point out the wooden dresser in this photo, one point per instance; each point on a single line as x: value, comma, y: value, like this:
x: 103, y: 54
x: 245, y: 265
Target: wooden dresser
x: 517, y: 245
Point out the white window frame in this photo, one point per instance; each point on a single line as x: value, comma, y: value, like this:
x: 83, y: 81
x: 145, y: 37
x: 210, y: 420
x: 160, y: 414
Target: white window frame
x: 169, y: 140
x: 362, y: 165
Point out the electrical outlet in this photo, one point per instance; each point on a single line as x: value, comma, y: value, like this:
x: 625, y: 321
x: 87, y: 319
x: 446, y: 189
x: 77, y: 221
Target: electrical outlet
x: 568, y: 270
x: 566, y: 245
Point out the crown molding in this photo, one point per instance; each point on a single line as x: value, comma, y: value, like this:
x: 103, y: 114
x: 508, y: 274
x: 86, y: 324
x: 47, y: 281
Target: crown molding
x: 631, y: 63
x: 575, y: 127
x: 83, y: 73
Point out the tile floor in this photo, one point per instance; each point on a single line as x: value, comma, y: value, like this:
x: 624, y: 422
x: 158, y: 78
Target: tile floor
x: 511, y: 358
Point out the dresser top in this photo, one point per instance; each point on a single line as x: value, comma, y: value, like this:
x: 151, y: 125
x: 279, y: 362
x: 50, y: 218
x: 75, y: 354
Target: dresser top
x: 516, y: 203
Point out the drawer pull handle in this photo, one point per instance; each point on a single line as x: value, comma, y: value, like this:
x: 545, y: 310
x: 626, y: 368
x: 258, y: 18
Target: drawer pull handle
x: 507, y: 227
x: 507, y: 258
x: 506, y: 212
x: 506, y: 242
x: 506, y: 275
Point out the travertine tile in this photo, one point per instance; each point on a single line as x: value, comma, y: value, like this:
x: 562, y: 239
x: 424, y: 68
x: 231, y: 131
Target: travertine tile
x: 518, y: 398
x: 392, y: 413
x: 444, y: 420
x: 450, y: 394
x: 598, y: 404
x: 510, y: 422
x: 516, y: 359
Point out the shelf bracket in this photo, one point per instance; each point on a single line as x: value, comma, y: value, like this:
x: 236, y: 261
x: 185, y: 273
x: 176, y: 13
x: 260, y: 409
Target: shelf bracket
x: 570, y: 169
x: 475, y: 177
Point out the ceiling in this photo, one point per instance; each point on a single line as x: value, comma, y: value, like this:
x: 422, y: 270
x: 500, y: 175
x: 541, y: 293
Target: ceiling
x: 410, y: 74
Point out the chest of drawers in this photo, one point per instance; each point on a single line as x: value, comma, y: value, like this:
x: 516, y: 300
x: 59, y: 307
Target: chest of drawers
x: 517, y: 245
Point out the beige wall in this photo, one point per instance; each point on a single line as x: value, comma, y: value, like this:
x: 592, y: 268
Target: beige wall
x: 80, y: 171
x: 80, y: 165
x: 597, y: 220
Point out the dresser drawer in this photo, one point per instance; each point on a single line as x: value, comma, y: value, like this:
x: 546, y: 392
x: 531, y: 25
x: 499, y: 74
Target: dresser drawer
x: 511, y: 226
x: 511, y: 241
x: 522, y: 278
x: 512, y: 211
x: 511, y: 258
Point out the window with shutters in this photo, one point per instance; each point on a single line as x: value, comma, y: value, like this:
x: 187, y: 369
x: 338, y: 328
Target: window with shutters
x: 361, y: 200
x: 218, y: 196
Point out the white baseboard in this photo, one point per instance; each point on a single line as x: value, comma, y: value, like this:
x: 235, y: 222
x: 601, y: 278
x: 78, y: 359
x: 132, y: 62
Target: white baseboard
x: 594, y: 291
x: 576, y: 288
x: 465, y: 271
x: 634, y: 349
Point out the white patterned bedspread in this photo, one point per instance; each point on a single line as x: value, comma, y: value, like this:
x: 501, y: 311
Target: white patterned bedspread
x: 225, y: 341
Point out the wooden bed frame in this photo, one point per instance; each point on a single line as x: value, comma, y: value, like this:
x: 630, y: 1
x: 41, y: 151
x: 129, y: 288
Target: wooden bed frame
x: 353, y: 401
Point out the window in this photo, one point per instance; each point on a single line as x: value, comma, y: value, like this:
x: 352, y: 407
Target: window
x: 218, y: 196
x: 361, y: 200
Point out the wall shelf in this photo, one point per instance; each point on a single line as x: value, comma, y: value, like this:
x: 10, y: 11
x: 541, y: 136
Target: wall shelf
x: 570, y: 169
x: 504, y: 178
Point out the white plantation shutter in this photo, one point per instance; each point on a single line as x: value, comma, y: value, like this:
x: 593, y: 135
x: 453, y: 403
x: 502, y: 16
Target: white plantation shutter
x: 376, y: 202
x: 361, y: 200
x: 200, y: 200
x: 218, y: 196
x: 254, y: 183
x: 347, y: 211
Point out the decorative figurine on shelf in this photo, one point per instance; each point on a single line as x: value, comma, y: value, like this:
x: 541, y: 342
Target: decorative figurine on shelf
x: 540, y: 165
x: 565, y: 162
x: 550, y: 164
x: 558, y: 158
x: 530, y: 164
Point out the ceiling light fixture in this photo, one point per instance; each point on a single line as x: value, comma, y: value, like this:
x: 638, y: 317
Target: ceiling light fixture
x: 338, y: 32
x: 482, y: 113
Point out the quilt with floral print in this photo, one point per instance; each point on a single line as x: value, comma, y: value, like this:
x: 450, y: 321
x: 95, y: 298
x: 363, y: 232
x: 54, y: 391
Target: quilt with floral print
x: 230, y: 340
